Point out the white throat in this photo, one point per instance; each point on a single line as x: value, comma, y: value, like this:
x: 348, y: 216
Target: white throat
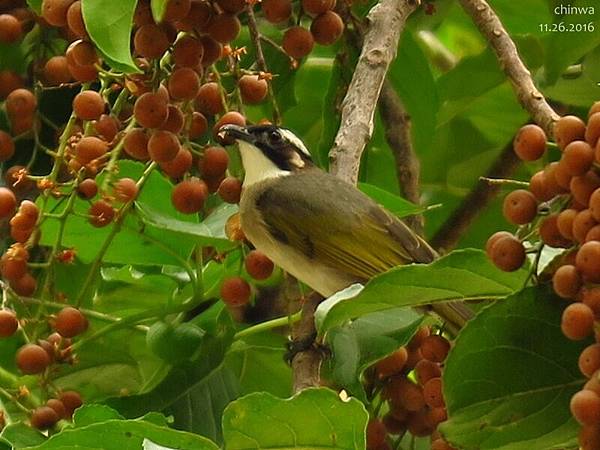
x: 257, y: 166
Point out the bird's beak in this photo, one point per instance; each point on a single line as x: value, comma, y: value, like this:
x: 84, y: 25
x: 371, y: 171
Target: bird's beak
x: 235, y: 132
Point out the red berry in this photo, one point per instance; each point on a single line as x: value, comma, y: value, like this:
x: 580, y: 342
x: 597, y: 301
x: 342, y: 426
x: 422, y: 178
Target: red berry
x: 44, y: 417
x: 188, y: 196
x: 577, y: 321
x: 585, y: 407
x: 8, y: 323
x: 235, y: 291
x: 435, y: 348
x: 72, y: 400
x: 530, y: 143
x: 8, y: 202
x: 70, y: 322
x: 392, y: 364
x: 32, y: 359
x: 258, y: 265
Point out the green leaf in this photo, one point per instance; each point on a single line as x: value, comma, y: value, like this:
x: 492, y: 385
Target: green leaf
x: 510, y: 376
x: 201, y: 408
x: 93, y: 413
x: 412, y: 77
x: 211, y: 232
x: 123, y: 435
x: 368, y: 339
x: 36, y: 5
x: 460, y: 275
x: 567, y: 47
x: 109, y: 24
x: 259, y: 357
x: 158, y: 8
x: 20, y: 435
x: 582, y: 89
x: 312, y: 419
x: 117, y: 363
x: 452, y: 84
x: 125, y: 291
x: 393, y: 203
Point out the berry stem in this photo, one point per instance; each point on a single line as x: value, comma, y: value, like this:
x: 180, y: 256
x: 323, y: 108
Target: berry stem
x: 59, y: 306
x: 110, y: 168
x: 14, y: 401
x: 255, y: 36
x: 113, y: 232
x: 504, y: 181
x: 269, y: 325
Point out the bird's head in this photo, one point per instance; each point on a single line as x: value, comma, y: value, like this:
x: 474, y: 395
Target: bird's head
x: 268, y: 151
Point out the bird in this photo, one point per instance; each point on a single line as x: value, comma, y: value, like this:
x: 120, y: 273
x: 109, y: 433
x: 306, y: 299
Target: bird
x: 317, y: 227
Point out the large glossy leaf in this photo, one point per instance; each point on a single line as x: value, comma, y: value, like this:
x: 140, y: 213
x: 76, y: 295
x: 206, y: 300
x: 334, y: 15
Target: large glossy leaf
x: 109, y: 24
x: 123, y: 435
x: 201, y: 408
x: 259, y: 357
x: 125, y: 291
x: 460, y: 275
x: 361, y: 343
x: 210, y: 232
x: 313, y: 418
x: 115, y: 364
x: 19, y: 435
x: 510, y: 376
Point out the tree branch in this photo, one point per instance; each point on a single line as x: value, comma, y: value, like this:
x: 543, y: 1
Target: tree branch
x: 396, y: 122
x: 386, y: 22
x: 306, y: 364
x: 506, y: 51
x: 459, y: 221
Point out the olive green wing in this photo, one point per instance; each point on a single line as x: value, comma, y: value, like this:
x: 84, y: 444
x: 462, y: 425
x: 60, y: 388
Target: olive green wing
x: 343, y: 228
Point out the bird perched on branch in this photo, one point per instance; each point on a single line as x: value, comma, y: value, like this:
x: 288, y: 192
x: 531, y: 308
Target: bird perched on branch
x: 315, y: 226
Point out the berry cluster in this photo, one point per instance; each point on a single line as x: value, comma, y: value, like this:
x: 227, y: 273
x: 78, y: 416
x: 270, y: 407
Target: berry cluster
x: 562, y: 208
x: 192, y: 80
x: 411, y: 384
x: 37, y: 359
x: 236, y: 292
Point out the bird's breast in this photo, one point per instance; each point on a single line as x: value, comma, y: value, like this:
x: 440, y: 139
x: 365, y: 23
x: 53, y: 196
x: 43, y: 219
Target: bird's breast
x: 326, y: 280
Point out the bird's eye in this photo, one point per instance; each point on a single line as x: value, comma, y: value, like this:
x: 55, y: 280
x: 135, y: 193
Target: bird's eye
x: 275, y: 136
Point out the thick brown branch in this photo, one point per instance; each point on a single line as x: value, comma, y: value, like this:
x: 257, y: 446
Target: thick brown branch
x: 386, y: 22
x: 396, y: 122
x: 306, y: 364
x: 459, y: 221
x: 492, y: 29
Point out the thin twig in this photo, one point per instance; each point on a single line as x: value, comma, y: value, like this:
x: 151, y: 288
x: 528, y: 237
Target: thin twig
x: 386, y: 22
x: 462, y: 217
x: 255, y: 36
x: 396, y: 122
x: 528, y: 95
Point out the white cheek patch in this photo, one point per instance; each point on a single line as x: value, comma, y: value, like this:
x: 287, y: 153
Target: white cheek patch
x: 257, y: 166
x: 295, y: 141
x: 297, y: 161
